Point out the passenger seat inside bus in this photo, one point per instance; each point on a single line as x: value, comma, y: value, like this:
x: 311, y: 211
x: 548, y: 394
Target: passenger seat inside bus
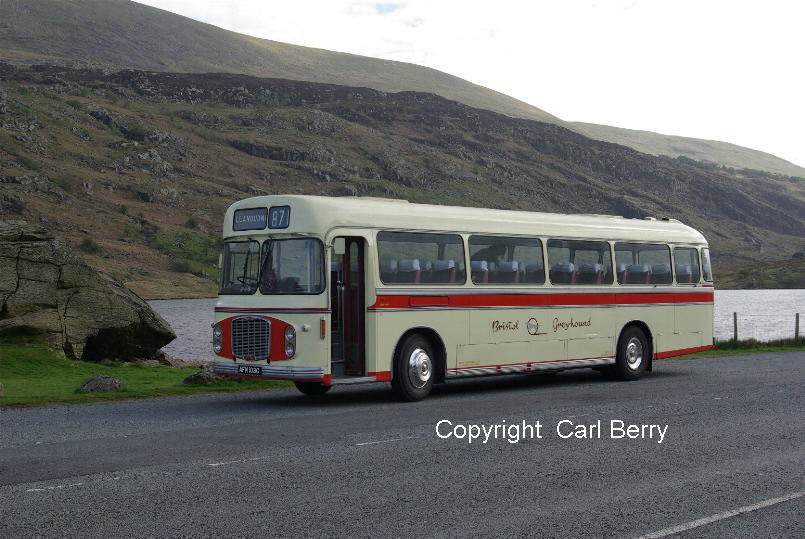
x: 388, y: 271
x: 427, y: 271
x: 534, y: 273
x: 591, y: 274
x: 684, y: 274
x: 637, y: 274
x: 480, y: 271
x: 444, y: 271
x: 620, y: 272
x: 408, y: 271
x: 508, y: 272
x: 563, y: 273
x: 661, y: 274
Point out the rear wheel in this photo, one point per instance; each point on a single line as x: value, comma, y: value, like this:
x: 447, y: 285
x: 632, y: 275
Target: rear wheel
x: 413, y: 369
x: 633, y: 355
x: 312, y: 388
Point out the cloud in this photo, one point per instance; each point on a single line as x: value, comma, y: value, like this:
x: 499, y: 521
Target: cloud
x: 383, y: 9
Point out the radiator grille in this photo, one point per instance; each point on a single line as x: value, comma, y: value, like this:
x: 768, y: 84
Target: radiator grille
x: 251, y: 337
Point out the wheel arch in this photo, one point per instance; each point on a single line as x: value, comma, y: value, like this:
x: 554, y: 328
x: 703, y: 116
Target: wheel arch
x: 437, y: 345
x: 642, y: 326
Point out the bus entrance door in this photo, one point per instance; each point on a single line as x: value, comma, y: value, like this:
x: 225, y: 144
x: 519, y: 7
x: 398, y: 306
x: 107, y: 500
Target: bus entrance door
x: 348, y: 350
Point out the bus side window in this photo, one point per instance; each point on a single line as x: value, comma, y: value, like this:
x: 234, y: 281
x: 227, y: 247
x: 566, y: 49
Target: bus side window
x: 580, y: 262
x: 686, y: 262
x: 506, y: 260
x: 707, y: 271
x: 420, y: 258
x: 643, y: 263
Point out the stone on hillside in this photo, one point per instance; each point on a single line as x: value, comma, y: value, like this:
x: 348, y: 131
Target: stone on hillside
x: 101, y: 382
x: 201, y: 378
x: 45, y: 289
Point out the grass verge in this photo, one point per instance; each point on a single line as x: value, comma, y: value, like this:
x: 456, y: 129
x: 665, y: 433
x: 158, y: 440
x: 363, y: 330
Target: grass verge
x: 751, y: 346
x: 33, y: 374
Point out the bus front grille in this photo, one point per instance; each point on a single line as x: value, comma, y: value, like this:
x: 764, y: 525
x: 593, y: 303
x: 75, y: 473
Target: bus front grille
x: 251, y: 337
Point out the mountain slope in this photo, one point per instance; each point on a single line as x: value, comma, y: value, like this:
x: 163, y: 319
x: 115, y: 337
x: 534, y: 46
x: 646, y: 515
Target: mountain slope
x: 126, y: 34
x: 711, y: 151
x: 121, y: 33
x: 137, y: 168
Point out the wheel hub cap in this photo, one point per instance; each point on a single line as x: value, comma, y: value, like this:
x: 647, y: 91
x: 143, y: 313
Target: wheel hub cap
x: 634, y: 353
x: 419, y: 368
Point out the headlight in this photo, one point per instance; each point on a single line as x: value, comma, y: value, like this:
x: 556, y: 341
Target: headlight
x: 290, y: 341
x: 217, y: 332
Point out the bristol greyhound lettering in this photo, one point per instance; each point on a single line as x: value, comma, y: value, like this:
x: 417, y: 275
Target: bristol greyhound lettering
x: 508, y: 325
x: 569, y: 324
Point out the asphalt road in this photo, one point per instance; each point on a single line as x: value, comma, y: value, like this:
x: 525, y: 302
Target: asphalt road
x: 357, y: 463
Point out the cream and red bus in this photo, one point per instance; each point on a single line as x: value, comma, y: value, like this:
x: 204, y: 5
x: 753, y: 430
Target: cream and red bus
x: 326, y: 291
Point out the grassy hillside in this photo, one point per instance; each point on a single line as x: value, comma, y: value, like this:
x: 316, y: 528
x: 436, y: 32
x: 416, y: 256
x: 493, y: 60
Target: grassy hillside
x: 127, y: 34
x: 136, y: 169
x: 120, y: 33
x: 776, y: 274
x: 712, y: 151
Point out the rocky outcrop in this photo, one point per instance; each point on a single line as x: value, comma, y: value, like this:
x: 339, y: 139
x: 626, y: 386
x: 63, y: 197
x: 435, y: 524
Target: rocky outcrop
x: 45, y: 289
x: 102, y: 382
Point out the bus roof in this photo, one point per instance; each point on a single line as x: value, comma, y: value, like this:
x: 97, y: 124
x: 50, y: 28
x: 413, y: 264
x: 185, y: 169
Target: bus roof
x: 318, y: 215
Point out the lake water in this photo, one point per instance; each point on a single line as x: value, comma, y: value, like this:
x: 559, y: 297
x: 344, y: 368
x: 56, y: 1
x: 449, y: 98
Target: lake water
x: 762, y: 315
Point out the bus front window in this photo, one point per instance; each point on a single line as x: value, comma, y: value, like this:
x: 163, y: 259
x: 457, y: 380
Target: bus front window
x: 292, y: 266
x: 240, y: 263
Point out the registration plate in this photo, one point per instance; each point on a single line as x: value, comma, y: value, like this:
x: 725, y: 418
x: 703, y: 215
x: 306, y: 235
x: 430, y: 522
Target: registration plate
x: 249, y: 369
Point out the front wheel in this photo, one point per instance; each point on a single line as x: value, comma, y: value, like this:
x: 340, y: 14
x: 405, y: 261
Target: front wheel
x: 312, y: 388
x: 633, y: 355
x: 413, y: 369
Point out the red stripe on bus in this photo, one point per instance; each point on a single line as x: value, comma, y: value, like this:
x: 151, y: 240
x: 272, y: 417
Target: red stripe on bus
x: 539, y: 300
x: 682, y: 351
x: 428, y: 301
x: 382, y: 376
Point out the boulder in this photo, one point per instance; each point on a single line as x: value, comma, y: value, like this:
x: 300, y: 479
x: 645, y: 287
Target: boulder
x: 101, y: 382
x: 201, y: 378
x: 47, y: 290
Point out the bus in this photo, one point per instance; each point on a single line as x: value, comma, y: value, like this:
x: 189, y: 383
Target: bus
x: 347, y: 290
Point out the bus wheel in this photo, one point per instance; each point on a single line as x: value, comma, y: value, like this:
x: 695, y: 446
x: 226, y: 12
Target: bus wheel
x: 413, y: 369
x: 632, y: 358
x: 312, y: 388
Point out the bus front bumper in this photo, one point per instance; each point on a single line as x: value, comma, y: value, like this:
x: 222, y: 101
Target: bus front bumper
x: 269, y: 372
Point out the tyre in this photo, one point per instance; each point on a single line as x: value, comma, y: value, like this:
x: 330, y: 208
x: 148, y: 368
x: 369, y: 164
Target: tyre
x: 312, y: 388
x: 414, y: 369
x: 633, y: 355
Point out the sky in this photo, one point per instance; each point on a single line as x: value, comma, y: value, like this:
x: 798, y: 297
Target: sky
x: 729, y: 70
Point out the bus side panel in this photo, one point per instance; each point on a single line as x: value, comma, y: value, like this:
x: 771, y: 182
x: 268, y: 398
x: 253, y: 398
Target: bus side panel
x: 693, y: 328
x: 658, y: 318
x: 451, y: 326
x: 553, y: 334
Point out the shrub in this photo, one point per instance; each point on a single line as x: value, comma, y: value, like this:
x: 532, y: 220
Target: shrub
x: 75, y: 104
x: 29, y: 163
x: 89, y: 246
x: 191, y: 223
x: 137, y: 132
x: 182, y: 266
